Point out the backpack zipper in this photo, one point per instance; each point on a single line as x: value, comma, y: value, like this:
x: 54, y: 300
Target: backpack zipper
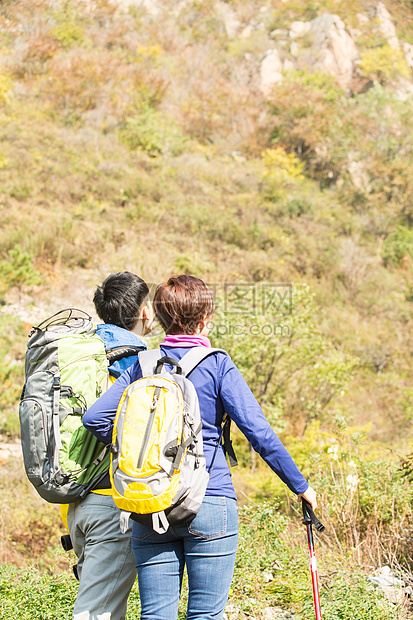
x: 149, y: 425
x: 44, y: 418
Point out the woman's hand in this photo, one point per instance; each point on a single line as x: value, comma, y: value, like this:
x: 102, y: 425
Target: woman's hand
x: 310, y: 496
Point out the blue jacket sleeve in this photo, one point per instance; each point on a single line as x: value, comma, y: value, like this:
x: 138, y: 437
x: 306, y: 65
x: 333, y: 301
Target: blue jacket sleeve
x: 242, y: 407
x: 99, y: 418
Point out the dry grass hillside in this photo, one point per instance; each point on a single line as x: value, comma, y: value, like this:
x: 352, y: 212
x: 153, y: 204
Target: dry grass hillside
x: 141, y: 136
x: 251, y: 144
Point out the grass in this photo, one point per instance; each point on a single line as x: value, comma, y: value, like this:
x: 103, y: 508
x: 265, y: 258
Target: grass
x: 271, y: 571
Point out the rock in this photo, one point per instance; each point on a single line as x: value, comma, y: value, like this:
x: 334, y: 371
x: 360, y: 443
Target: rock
x: 295, y: 49
x: 355, y: 33
x: 324, y: 44
x: 246, y: 32
x: 408, y: 53
x: 267, y: 576
x: 333, y: 50
x: 231, y: 22
x: 232, y: 612
x: 386, y: 27
x: 327, y: 47
x: 363, y: 20
x: 392, y: 587
x: 288, y: 65
x: 151, y: 6
x: 270, y: 71
x: 275, y: 613
x: 358, y: 174
x: 299, y: 29
x: 279, y: 33
x: 403, y: 89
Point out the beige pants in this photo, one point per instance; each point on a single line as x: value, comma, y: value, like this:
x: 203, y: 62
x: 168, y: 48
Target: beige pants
x: 106, y: 566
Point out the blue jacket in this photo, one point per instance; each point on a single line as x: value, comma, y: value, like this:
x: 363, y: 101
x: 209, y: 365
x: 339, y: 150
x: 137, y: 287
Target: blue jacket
x: 220, y: 387
x: 115, y: 336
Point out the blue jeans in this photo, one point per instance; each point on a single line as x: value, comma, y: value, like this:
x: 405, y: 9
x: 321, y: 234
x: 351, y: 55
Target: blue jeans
x: 207, y: 546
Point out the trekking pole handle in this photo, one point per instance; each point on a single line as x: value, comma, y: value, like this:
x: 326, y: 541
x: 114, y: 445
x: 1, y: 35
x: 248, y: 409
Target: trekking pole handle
x: 309, y: 516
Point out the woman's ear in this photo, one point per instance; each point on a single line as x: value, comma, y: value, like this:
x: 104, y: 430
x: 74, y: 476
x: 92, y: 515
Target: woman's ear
x: 203, y: 326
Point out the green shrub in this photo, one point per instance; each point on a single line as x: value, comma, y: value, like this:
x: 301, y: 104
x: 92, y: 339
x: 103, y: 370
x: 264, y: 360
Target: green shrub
x: 397, y: 246
x: 304, y: 106
x: 18, y: 270
x: 350, y: 598
x: 293, y: 207
x: 272, y: 334
x: 20, y: 191
x: 152, y: 133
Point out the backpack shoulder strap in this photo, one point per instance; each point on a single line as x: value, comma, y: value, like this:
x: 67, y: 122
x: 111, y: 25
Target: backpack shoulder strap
x: 188, y: 363
x: 195, y: 356
x: 118, y: 353
x: 147, y: 361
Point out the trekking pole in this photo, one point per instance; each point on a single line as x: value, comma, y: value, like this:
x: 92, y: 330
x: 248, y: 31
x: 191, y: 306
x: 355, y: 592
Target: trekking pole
x: 309, y: 520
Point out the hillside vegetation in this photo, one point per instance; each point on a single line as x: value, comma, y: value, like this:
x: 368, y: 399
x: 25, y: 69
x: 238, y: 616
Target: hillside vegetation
x: 266, y: 147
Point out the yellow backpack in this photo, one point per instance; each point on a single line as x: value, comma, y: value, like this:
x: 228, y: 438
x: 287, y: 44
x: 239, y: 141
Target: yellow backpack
x: 157, y: 468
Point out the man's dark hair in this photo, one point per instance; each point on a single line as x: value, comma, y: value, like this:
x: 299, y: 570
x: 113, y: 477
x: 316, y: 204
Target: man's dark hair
x: 120, y: 298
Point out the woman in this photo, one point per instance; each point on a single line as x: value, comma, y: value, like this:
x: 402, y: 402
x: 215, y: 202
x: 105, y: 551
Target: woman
x: 207, y: 545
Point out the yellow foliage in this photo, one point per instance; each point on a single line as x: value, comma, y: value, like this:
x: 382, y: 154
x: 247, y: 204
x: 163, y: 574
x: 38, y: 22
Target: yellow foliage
x: 67, y: 33
x: 5, y: 86
x: 383, y: 64
x: 150, y: 51
x: 282, y: 166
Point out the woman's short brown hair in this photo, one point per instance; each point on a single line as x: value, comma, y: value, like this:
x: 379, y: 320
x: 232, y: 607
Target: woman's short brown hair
x: 182, y: 303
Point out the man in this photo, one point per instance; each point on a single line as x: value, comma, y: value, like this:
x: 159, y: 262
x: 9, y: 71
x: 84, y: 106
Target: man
x: 106, y: 567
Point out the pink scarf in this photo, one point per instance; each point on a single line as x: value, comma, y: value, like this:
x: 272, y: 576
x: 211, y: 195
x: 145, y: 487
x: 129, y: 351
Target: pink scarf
x: 186, y: 340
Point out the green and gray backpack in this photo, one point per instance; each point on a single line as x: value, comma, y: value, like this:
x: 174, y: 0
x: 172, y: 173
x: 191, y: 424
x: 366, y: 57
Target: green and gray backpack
x: 66, y: 372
